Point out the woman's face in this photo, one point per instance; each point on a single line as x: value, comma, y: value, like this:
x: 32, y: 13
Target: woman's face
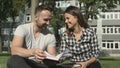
x: 70, y: 20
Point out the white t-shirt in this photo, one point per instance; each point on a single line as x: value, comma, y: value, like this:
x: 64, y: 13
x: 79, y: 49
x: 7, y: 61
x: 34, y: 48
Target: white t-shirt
x: 30, y: 42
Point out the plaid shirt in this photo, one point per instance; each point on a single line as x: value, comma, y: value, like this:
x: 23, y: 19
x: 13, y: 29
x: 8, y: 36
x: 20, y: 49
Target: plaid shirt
x: 82, y: 50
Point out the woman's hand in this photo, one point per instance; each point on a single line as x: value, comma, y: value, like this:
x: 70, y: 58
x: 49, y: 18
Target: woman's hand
x: 83, y: 64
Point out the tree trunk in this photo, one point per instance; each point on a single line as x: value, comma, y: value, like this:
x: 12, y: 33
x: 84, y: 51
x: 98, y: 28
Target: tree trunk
x: 34, y: 3
x: 0, y: 44
x: 0, y: 38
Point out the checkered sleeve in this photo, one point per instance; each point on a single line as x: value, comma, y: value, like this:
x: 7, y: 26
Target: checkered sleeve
x: 63, y: 44
x: 94, y: 45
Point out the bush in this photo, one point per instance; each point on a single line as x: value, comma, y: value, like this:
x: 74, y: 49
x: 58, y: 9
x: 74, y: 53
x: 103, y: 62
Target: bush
x: 103, y: 53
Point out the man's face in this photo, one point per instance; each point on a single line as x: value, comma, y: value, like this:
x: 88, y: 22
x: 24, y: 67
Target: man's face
x: 43, y: 19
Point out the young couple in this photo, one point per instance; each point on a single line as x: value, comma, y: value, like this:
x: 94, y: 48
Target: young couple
x: 32, y: 39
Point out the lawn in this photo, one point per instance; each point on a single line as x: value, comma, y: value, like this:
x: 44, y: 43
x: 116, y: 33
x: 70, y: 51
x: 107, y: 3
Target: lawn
x: 110, y: 62
x: 3, y: 60
x: 106, y: 62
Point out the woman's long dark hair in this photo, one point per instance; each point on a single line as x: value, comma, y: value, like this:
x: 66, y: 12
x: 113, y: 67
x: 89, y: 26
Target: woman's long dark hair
x: 75, y: 11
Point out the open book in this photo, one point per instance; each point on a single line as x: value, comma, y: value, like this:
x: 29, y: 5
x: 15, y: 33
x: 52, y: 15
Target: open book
x: 51, y: 57
x: 61, y: 56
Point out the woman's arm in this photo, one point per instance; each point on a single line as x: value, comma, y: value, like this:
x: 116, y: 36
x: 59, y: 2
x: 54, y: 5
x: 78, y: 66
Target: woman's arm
x: 85, y: 64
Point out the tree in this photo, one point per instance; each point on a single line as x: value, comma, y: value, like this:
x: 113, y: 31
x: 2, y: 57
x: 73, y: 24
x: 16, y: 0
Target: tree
x: 91, y: 8
x: 3, y: 16
x: 14, y: 12
x: 34, y: 3
x: 11, y: 8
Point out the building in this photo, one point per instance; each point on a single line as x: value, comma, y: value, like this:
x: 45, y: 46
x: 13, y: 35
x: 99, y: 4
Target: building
x: 64, y: 4
x: 109, y: 32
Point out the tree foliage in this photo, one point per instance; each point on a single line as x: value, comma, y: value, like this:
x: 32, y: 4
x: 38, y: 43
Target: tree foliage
x: 91, y: 8
x: 3, y: 9
x: 11, y: 9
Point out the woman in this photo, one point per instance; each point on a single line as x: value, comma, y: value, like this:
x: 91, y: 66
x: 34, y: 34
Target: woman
x: 79, y: 39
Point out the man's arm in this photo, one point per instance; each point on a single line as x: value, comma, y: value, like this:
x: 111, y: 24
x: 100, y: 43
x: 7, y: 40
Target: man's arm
x: 17, y: 49
x: 52, y: 50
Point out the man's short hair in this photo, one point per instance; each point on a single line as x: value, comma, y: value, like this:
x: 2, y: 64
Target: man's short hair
x: 42, y: 7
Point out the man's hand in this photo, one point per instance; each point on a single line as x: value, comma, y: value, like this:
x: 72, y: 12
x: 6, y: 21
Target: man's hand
x: 39, y: 54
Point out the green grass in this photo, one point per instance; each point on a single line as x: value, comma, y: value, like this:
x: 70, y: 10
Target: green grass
x: 3, y: 60
x: 106, y: 62
x: 110, y: 62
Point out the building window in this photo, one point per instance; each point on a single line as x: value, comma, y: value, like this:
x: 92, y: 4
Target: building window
x: 111, y: 31
x: 103, y: 16
x: 111, y: 16
x: 103, y: 30
x: 116, y: 30
x: 116, y: 16
x: 58, y: 4
x: 119, y: 30
x: 108, y: 45
x: 107, y: 16
x: 95, y: 29
x: 28, y: 18
x: 119, y: 16
x: 116, y: 45
x: 111, y: 45
x: 108, y: 30
x: 103, y: 45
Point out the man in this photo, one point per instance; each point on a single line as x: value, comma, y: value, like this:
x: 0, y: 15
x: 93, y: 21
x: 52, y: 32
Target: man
x: 31, y: 40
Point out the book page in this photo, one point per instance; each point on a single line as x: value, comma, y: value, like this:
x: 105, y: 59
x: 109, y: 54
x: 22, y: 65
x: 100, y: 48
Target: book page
x: 51, y: 57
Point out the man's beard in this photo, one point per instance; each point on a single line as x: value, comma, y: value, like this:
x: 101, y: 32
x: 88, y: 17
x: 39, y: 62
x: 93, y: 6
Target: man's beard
x: 42, y: 27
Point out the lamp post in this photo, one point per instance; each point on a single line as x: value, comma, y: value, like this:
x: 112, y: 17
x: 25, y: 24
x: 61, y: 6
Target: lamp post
x: 99, y: 31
